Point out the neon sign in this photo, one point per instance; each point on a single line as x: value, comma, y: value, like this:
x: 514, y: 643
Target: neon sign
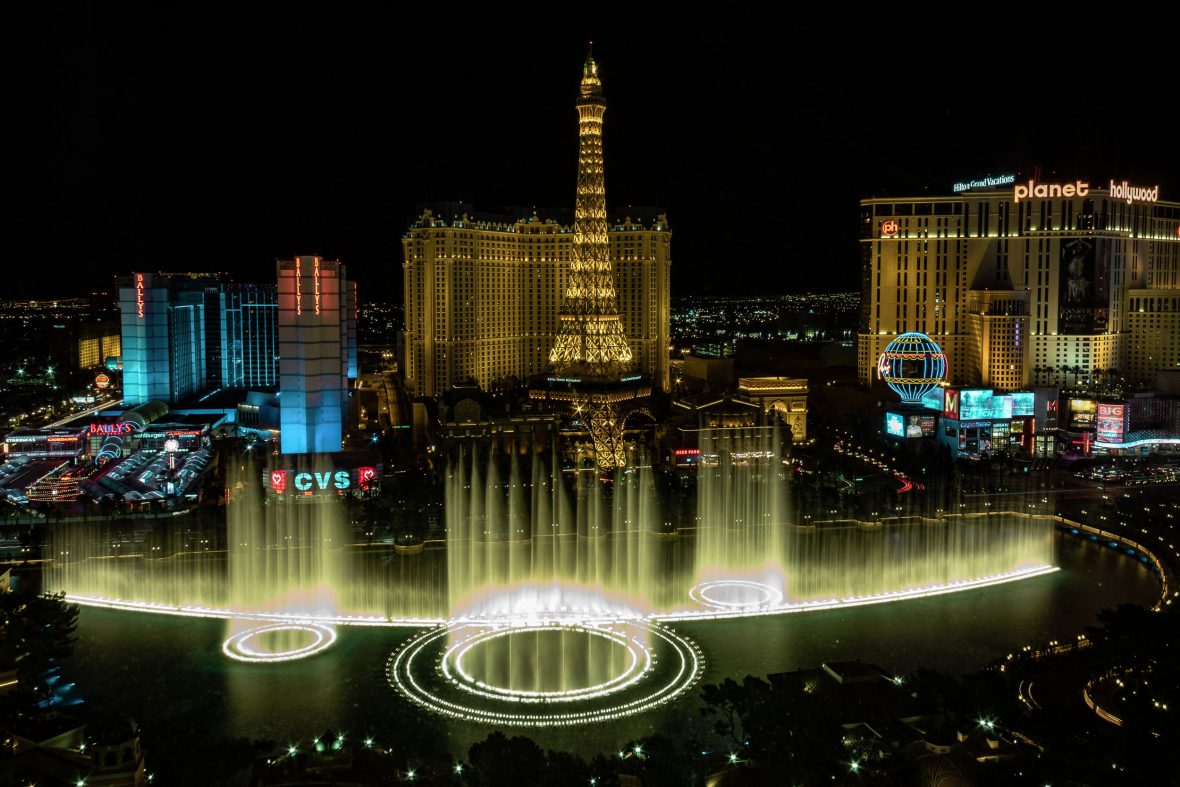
x: 139, y: 294
x: 950, y: 406
x: 1109, y: 424
x: 309, y: 482
x: 1134, y: 193
x: 298, y: 287
x: 316, y: 274
x: 998, y: 180
x: 338, y: 479
x: 687, y: 452
x: 889, y: 228
x: 1078, y: 188
x: 108, y: 429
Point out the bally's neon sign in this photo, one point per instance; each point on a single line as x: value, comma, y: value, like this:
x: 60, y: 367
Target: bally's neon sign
x: 316, y: 274
x: 298, y: 287
x: 139, y: 294
x: 107, y: 429
x: 1078, y: 188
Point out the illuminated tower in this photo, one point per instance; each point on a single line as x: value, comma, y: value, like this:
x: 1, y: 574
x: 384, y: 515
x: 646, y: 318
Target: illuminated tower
x: 590, y: 338
x: 313, y: 354
x: 590, y: 356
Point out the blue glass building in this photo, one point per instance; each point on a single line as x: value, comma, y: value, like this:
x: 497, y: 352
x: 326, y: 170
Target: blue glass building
x: 315, y: 348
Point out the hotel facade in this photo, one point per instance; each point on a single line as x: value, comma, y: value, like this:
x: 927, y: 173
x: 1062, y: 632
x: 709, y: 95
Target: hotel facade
x: 1025, y: 283
x: 317, y: 340
x: 483, y: 297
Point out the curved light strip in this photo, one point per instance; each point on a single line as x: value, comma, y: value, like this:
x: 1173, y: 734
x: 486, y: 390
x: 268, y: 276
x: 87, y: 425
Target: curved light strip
x: 239, y: 646
x: 689, y: 614
x: 401, y: 669
x: 927, y: 591
x: 771, y: 597
x: 636, y: 648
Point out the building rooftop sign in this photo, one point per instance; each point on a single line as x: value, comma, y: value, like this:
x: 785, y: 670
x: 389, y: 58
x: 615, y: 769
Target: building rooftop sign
x: 1134, y: 193
x: 984, y: 183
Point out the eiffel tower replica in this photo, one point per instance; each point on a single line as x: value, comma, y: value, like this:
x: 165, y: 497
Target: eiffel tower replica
x: 591, y: 360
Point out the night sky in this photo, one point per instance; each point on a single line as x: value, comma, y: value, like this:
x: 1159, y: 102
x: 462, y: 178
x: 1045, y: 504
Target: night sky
x: 220, y: 139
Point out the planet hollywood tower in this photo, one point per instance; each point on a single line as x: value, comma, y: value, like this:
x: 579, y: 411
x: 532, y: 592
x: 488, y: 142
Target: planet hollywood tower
x: 591, y: 359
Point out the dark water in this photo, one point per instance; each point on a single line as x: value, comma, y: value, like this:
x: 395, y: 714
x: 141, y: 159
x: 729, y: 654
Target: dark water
x: 154, y: 667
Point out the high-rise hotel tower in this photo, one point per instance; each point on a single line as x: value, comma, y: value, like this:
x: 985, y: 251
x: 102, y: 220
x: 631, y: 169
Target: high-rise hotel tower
x: 1024, y: 283
x: 315, y: 344
x: 484, y: 296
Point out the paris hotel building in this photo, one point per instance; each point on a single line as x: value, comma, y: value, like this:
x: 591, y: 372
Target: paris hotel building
x: 1024, y: 284
x: 482, y: 296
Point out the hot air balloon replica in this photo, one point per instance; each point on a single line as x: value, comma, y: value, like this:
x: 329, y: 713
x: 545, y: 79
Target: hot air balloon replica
x: 912, y: 365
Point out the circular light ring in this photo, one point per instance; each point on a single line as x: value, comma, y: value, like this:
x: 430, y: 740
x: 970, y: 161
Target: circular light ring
x: 685, y: 657
x: 238, y: 647
x: 641, y: 660
x: 703, y: 593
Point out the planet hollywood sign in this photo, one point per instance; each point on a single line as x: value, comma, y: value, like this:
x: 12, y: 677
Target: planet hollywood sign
x: 1081, y: 188
x: 1134, y: 193
x: 310, y: 482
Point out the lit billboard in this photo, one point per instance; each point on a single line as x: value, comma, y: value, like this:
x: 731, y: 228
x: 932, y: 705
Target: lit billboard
x: 1110, y: 423
x: 1082, y: 413
x: 934, y: 399
x: 1023, y: 403
x: 979, y: 403
x: 919, y: 425
x: 311, y: 482
x: 908, y: 425
x: 1084, y: 286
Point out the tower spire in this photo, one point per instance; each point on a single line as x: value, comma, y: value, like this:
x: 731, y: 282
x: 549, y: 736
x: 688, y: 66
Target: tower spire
x: 591, y: 84
x: 590, y: 340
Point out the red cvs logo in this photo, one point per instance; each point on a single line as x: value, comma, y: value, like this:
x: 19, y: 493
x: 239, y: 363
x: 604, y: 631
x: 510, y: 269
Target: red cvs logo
x: 365, y: 476
x: 278, y: 481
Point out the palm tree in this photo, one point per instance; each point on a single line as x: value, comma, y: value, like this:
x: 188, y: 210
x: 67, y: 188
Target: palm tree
x: 1051, y: 373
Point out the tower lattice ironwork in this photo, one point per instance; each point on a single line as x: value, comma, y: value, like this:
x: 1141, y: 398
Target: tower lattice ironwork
x: 591, y: 346
x: 590, y: 339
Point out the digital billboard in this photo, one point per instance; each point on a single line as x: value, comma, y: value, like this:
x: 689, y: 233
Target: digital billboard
x: 919, y: 425
x: 1082, y: 413
x: 977, y: 403
x: 909, y: 425
x: 311, y: 482
x: 933, y: 400
x: 1109, y: 423
x: 1023, y: 403
x: 1084, y: 287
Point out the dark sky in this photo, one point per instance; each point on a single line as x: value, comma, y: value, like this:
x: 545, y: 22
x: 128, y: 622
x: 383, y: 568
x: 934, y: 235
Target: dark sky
x: 220, y: 139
